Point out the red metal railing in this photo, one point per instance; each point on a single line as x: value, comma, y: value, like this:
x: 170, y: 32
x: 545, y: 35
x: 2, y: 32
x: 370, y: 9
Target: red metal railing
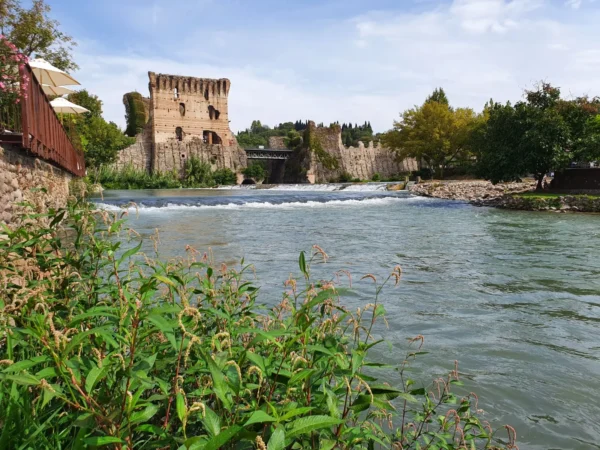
x: 43, y: 133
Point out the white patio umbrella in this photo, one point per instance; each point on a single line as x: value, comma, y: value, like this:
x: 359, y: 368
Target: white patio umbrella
x: 46, y: 73
x: 64, y: 106
x: 56, y: 90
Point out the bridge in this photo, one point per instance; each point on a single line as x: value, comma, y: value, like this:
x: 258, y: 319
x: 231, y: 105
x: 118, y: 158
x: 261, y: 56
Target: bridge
x: 267, y: 153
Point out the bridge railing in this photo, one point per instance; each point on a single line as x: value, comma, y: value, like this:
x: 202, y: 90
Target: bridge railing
x: 39, y: 128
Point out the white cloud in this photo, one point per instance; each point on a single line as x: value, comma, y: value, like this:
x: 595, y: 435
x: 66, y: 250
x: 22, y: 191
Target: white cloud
x: 370, y: 67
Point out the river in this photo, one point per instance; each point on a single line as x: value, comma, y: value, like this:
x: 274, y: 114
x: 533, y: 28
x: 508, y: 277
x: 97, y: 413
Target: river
x: 513, y: 296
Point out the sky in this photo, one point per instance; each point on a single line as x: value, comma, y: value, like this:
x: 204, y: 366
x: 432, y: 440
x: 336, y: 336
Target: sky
x: 335, y: 60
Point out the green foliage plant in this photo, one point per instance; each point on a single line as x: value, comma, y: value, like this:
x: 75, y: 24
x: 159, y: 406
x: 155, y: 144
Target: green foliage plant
x: 129, y: 177
x: 255, y: 171
x: 328, y: 161
x: 376, y: 177
x: 198, y: 173
x: 224, y: 177
x: 103, y: 344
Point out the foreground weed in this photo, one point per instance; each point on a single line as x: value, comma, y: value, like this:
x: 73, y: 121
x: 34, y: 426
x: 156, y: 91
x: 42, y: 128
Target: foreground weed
x: 103, y: 346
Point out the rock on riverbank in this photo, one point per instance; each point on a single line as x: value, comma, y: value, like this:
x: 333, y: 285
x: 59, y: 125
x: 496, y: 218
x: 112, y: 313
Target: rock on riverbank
x: 477, y: 192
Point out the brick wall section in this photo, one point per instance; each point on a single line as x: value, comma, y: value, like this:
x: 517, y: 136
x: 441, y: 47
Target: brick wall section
x: 19, y: 174
x: 277, y: 143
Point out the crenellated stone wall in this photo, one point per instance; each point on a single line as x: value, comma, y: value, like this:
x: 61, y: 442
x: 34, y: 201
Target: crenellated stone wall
x: 24, y: 178
x: 188, y: 117
x: 186, y: 107
x: 324, y: 158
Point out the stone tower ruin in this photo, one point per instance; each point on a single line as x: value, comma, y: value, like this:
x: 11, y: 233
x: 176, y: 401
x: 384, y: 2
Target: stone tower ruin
x: 187, y: 108
x: 187, y: 117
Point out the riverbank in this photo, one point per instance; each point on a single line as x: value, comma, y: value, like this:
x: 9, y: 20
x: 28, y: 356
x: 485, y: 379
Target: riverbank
x: 519, y: 196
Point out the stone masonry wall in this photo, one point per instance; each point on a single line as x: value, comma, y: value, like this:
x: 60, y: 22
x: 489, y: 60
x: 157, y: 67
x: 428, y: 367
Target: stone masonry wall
x: 360, y: 162
x: 22, y: 178
x: 138, y: 155
x: 171, y: 155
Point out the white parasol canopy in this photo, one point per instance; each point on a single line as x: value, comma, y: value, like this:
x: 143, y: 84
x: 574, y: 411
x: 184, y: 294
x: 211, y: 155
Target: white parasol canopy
x: 46, y: 73
x: 62, y: 105
x: 56, y: 90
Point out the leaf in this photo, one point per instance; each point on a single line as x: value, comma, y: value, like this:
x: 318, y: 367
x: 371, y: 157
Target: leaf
x: 302, y: 264
x: 219, y: 384
x: 24, y: 365
x: 181, y: 409
x: 296, y: 412
x: 24, y: 379
x: 144, y: 415
x: 306, y: 425
x: 129, y: 253
x: 259, y: 417
x: 94, y: 375
x: 300, y: 376
x: 164, y: 280
x: 218, y: 441
x: 212, y: 423
x: 277, y: 440
x: 103, y: 440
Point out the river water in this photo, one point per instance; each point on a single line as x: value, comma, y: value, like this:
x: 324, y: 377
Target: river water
x: 514, y: 296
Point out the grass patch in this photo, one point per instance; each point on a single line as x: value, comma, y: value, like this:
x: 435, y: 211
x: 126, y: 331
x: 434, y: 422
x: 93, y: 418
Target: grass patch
x: 553, y: 195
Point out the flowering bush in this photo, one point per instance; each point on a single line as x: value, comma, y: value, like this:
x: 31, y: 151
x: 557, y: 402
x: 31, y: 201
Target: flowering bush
x: 11, y: 63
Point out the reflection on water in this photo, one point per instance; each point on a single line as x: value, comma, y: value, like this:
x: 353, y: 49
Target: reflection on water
x: 514, y: 296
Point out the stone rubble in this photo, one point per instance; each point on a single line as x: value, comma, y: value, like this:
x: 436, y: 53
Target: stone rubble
x: 484, y: 193
x: 476, y: 192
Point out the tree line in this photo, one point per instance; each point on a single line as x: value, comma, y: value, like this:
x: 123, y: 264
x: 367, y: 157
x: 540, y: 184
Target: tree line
x: 505, y: 142
x: 259, y: 134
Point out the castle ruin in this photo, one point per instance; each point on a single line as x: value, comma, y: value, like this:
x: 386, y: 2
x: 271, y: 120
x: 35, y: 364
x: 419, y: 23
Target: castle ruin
x: 186, y: 117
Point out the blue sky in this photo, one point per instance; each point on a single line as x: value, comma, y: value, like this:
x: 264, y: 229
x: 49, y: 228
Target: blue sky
x: 327, y: 60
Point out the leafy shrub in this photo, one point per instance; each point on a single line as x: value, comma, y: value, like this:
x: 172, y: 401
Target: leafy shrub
x: 198, y: 173
x: 344, y: 177
x: 224, y: 177
x: 376, y: 177
x: 255, y: 170
x: 102, y: 346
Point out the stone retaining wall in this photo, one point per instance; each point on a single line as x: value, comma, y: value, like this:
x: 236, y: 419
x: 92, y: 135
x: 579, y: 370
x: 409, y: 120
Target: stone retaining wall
x: 24, y: 178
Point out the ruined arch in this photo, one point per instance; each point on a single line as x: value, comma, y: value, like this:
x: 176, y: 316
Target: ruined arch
x: 179, y: 133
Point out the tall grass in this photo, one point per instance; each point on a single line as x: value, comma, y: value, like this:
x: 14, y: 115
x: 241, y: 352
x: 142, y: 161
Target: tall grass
x: 131, y: 178
x: 197, y: 174
x: 105, y: 346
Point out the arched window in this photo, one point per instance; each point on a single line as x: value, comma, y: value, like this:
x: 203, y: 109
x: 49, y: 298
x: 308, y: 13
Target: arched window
x: 175, y: 94
x: 182, y: 109
x: 179, y: 133
x: 206, y: 94
x: 213, y: 113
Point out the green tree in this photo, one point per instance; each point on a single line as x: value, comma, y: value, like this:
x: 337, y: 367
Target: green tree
x: 89, y: 101
x: 433, y: 133
x: 521, y: 140
x: 36, y: 34
x: 101, y: 140
x: 439, y: 96
x: 538, y: 135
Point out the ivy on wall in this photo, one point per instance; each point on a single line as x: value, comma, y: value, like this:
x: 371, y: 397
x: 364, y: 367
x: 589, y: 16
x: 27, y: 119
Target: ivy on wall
x: 328, y: 161
x: 135, y: 113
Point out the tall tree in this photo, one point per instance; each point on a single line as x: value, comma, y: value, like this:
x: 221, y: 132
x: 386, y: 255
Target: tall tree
x: 439, y: 96
x: 35, y: 33
x: 531, y: 137
x: 433, y: 133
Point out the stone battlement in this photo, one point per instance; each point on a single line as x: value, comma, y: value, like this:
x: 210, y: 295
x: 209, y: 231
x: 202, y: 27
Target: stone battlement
x: 206, y: 87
